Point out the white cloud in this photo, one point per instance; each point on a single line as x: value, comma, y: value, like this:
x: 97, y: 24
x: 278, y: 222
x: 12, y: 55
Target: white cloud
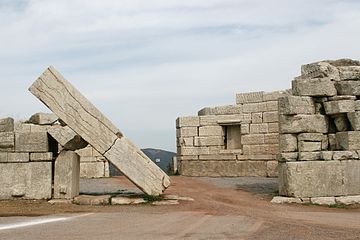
x: 146, y: 62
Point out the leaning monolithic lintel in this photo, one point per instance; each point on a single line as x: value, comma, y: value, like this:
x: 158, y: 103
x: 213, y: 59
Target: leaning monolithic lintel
x: 87, y: 121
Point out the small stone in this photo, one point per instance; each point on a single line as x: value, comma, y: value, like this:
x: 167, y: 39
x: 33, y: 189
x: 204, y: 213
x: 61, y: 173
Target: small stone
x: 92, y: 200
x: 60, y: 201
x: 119, y: 200
x: 323, y: 200
x: 7, y: 125
x: 281, y: 200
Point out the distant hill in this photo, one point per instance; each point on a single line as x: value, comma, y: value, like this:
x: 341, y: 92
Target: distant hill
x: 160, y: 157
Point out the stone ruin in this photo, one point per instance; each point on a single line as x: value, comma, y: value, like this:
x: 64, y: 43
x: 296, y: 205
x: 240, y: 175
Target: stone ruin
x: 41, y: 159
x: 309, y: 136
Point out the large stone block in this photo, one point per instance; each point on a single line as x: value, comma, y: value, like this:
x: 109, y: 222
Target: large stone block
x: 318, y: 178
x: 336, y: 107
x: 46, y: 156
x: 67, y: 175
x: 88, y: 122
x: 7, y: 141
x: 349, y: 73
x: 13, y: 157
x: 271, y: 138
x: 224, y: 168
x: 31, y: 142
x: 43, y: 118
x: 187, y: 132
x: 257, y: 117
x: 320, y: 70
x: 311, y: 137
x: 261, y: 149
x: 211, y: 131
x: 354, y: 119
x: 186, y: 151
x: 7, y: 125
x: 187, y: 122
x: 252, y: 139
x: 316, y: 87
x: 348, y: 88
x: 252, y: 97
x: 259, y: 128
x: 348, y: 140
x: 342, y: 123
x: 31, y: 180
x: 67, y: 138
x: 209, y: 141
x: 221, y: 110
x: 304, y: 123
x: 287, y: 157
x: 309, y: 156
x: 271, y: 117
x: 272, y: 168
x: 274, y: 96
x: 92, y: 169
x: 215, y: 120
x: 309, y: 146
x: 291, y: 105
x: 186, y: 142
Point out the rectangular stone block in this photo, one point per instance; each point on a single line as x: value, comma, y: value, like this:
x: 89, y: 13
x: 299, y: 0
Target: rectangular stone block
x: 348, y: 140
x: 309, y: 146
x: 255, y: 107
x: 252, y: 97
x: 205, y: 111
x: 187, y: 132
x: 6, y: 125
x: 186, y: 151
x: 18, y: 157
x: 261, y: 149
x: 291, y: 105
x: 348, y: 88
x: 67, y: 138
x: 271, y: 138
x: 271, y: 117
x: 31, y: 142
x: 224, y: 168
x: 349, y: 73
x: 211, y: 131
x: 92, y: 169
x: 47, y: 156
x: 187, y: 122
x: 309, y: 156
x: 273, y: 127
x: 259, y: 128
x: 319, y: 178
x: 22, y: 127
x: 7, y: 141
x: 253, y: 139
x: 304, y: 123
x: 271, y: 106
x: 345, y: 155
x: 245, y: 128
x: 288, y: 143
x: 43, y: 118
x: 354, y: 119
x: 209, y: 141
x: 85, y: 152
x: 67, y: 175
x: 221, y: 110
x: 272, y: 168
x: 256, y: 118
x: 310, y: 137
x: 315, y: 87
x: 287, y: 157
x: 30, y: 180
x: 186, y: 142
x: 218, y: 157
x: 341, y: 106
x: 274, y: 96
x: 320, y: 70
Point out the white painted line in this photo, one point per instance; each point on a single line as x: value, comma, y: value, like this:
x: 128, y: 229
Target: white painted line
x: 38, y: 222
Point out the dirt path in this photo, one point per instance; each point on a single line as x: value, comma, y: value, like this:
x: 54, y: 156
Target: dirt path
x: 220, y: 211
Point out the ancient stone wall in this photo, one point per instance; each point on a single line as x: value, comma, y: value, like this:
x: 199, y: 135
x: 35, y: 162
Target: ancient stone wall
x: 233, y: 140
x: 320, y: 132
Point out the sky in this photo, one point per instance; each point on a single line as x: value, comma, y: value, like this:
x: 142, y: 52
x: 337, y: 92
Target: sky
x: 144, y: 63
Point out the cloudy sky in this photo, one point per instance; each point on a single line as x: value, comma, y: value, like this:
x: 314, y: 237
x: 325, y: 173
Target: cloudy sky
x: 143, y: 63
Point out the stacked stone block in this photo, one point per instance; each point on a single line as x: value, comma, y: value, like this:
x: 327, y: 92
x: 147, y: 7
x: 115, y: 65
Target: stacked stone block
x: 233, y: 140
x: 92, y: 164
x: 319, y: 132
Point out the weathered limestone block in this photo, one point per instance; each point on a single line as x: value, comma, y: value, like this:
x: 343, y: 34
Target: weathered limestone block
x: 86, y: 152
x: 320, y: 70
x: 260, y: 107
x: 67, y: 175
x: 187, y: 132
x: 43, y: 118
x: 333, y: 145
x: 309, y: 146
x: 245, y: 128
x: 13, y: 157
x: 205, y: 111
x: 343, y: 62
x: 92, y: 169
x: 31, y: 180
x: 271, y: 117
x: 187, y: 122
x: 209, y: 141
x: 67, y: 138
x: 309, y: 156
x: 186, y: 142
x: 287, y: 157
x: 215, y: 120
x: 342, y: 123
x: 252, y: 139
x: 315, y: 87
x: 291, y: 105
x: 218, y: 157
x: 349, y: 73
x: 224, y: 168
x: 312, y: 179
x: 46, y: 156
x: 348, y: 88
x: 261, y: 157
x: 271, y: 138
x: 31, y: 142
x: 336, y: 107
x: 273, y: 127
x: 327, y: 155
x: 22, y: 127
x: 282, y: 200
x: 357, y: 105
x: 88, y: 122
x: 261, y: 149
x: 310, y: 137
x: 211, y: 131
x: 186, y: 151
x: 7, y: 125
x: 354, y: 119
x: 288, y: 143
x: 345, y: 155
x: 348, y: 200
x: 323, y: 201
x: 256, y: 118
x: 274, y: 96
x: 259, y: 128
x: 304, y: 123
x: 227, y: 110
x: 272, y: 169
x: 253, y: 97
x: 348, y: 140
x: 7, y: 141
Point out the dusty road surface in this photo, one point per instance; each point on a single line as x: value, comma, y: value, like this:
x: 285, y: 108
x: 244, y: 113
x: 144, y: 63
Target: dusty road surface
x: 227, y: 208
